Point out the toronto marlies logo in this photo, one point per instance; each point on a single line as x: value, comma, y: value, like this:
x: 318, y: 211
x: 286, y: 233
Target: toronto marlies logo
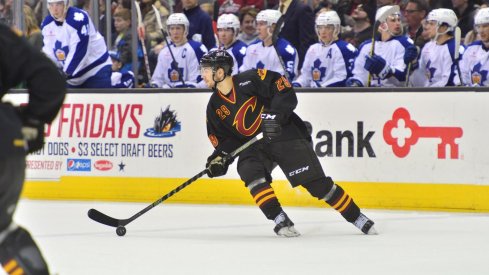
x: 60, y: 52
x: 478, y: 76
x: 165, y: 125
x: 317, y: 72
x: 174, y: 73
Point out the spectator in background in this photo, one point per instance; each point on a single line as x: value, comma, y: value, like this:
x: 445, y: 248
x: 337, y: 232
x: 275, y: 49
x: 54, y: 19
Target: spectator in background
x: 123, y: 40
x: 247, y: 19
x: 73, y: 43
x: 152, y: 30
x: 281, y: 58
x: 184, y: 71
x: 364, y: 17
x: 6, y: 14
x: 329, y: 62
x: 414, y: 13
x: 227, y: 31
x: 200, y: 29
x: 465, y: 11
x: 102, y: 25
x: 298, y: 27
x: 234, y: 6
x: 32, y: 30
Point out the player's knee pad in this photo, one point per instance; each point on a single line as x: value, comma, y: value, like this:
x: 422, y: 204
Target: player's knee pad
x: 19, y: 253
x: 319, y: 188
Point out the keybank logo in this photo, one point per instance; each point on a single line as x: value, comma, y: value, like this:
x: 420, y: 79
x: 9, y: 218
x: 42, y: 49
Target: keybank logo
x: 83, y: 165
x: 401, y: 132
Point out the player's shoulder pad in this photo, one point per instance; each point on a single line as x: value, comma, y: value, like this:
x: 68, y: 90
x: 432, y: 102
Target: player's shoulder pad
x: 76, y: 17
x: 198, y: 48
x: 47, y: 21
x: 285, y: 47
x: 239, y: 47
x: 404, y: 40
x: 364, y: 43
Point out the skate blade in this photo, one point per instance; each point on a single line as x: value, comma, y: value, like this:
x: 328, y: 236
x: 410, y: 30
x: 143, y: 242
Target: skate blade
x: 288, y: 232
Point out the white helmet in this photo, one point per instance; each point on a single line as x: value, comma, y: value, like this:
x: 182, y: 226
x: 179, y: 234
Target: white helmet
x: 54, y: 1
x: 441, y: 16
x: 384, y: 12
x: 329, y: 18
x: 177, y: 19
x: 482, y: 17
x: 269, y: 16
x: 228, y: 21
x: 66, y: 2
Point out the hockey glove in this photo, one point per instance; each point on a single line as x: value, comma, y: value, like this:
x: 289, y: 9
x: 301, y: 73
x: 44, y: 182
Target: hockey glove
x: 376, y: 65
x: 410, y: 54
x: 353, y: 82
x: 33, y: 132
x: 217, y: 164
x: 270, y: 125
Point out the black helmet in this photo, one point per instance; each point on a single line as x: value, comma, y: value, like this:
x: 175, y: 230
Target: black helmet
x: 218, y: 59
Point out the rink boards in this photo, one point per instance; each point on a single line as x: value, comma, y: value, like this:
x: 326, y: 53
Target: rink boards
x: 394, y: 150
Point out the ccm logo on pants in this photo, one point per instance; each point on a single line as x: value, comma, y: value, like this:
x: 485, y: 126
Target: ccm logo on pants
x: 298, y: 171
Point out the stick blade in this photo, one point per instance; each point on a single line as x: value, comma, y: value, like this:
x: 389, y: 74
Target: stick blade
x: 100, y: 217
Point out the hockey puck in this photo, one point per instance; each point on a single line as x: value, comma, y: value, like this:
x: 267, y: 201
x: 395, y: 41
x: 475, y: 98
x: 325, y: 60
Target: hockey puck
x: 121, y: 231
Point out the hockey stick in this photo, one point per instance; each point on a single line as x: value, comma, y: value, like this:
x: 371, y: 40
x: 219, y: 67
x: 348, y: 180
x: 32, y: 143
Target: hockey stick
x: 387, y: 13
x: 141, y: 39
x: 408, y: 73
x: 275, y: 33
x: 120, y: 223
x: 174, y: 63
x: 456, y: 54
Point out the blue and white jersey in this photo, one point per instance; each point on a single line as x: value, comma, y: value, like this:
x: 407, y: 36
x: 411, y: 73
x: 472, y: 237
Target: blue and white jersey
x: 237, y: 50
x: 475, y: 65
x: 436, y: 65
x: 122, y: 79
x: 188, y: 57
x: 75, y: 46
x: 260, y: 57
x: 392, y: 51
x: 327, y: 66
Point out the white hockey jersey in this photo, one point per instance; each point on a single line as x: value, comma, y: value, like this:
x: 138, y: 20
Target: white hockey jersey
x: 122, y: 79
x: 475, y: 65
x: 188, y: 55
x: 75, y: 46
x: 392, y: 51
x: 327, y: 66
x: 260, y: 57
x: 436, y: 65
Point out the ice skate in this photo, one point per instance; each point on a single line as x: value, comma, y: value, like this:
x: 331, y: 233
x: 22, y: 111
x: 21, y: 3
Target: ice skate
x: 365, y: 224
x: 285, y: 227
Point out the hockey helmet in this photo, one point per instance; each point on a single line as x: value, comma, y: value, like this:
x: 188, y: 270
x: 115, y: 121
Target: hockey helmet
x: 177, y: 19
x: 66, y: 2
x: 443, y: 16
x: 55, y: 1
x: 218, y: 59
x: 384, y: 12
x: 229, y: 21
x: 269, y: 16
x: 482, y: 17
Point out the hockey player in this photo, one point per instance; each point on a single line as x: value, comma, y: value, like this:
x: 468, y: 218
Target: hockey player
x: 257, y: 101
x: 475, y: 61
x: 227, y: 31
x: 327, y: 63
x: 22, y: 132
x: 121, y: 77
x: 72, y: 42
x: 387, y: 67
x: 437, y: 64
x: 187, y: 54
x: 263, y: 54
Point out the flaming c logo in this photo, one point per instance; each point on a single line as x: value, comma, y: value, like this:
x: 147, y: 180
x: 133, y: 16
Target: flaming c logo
x: 239, y: 119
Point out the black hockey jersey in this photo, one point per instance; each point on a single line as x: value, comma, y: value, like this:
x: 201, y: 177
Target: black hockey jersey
x: 235, y: 118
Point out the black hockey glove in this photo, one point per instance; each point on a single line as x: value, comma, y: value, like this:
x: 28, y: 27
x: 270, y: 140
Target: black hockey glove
x: 33, y: 132
x: 217, y: 164
x: 271, y: 125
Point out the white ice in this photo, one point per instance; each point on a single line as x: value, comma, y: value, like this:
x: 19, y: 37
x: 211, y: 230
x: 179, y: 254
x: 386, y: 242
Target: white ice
x: 203, y: 239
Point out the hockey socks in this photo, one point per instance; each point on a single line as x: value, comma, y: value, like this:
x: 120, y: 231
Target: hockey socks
x: 343, y: 203
x: 266, y: 199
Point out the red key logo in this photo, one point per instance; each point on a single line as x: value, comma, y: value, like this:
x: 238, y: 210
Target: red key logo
x: 401, y: 133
